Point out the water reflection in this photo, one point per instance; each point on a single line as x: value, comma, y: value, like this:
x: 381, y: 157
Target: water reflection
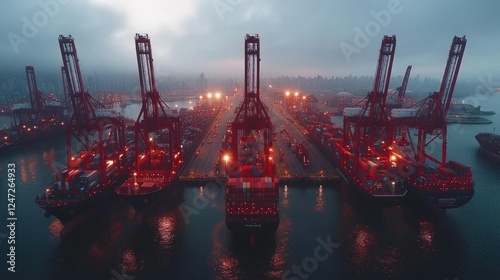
x: 23, y: 169
x: 382, y: 242
x: 55, y: 228
x: 284, y: 201
x: 166, y: 226
x: 320, y: 200
x: 399, y: 242
x: 235, y: 258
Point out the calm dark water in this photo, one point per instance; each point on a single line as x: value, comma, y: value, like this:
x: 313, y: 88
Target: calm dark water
x: 184, y: 236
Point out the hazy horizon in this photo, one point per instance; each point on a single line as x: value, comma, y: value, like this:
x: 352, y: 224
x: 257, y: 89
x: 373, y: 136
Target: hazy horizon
x: 327, y: 38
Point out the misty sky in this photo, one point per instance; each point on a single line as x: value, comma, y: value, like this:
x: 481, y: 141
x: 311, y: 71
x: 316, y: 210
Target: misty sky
x: 298, y: 37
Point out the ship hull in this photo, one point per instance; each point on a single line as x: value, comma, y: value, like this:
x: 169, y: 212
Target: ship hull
x: 144, y: 199
x: 252, y: 205
x: 386, y: 200
x: 54, y: 133
x: 67, y: 211
x: 255, y: 228
x: 440, y: 200
x: 489, y: 154
x: 489, y: 144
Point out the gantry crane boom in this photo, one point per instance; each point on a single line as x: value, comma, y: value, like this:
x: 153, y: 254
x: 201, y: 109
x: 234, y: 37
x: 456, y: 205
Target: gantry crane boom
x: 435, y: 107
x: 65, y: 85
x: 450, y: 75
x: 431, y: 112
x: 375, y: 106
x: 252, y: 114
x: 36, y: 98
x: 102, y: 135
x: 367, y: 129
x: 155, y: 114
x: 402, y: 89
x: 84, y: 105
x: 153, y: 107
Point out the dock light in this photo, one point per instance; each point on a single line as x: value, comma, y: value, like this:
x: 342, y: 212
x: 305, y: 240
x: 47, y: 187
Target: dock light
x: 209, y: 95
x: 304, y: 97
x: 393, y: 158
x: 201, y: 96
x: 296, y: 93
x: 287, y: 93
x: 217, y: 95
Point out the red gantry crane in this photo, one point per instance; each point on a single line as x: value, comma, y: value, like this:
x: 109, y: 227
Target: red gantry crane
x: 252, y: 115
x: 42, y: 116
x: 95, y: 148
x: 367, y: 134
x: 397, y: 98
x: 99, y: 132
x: 65, y: 86
x: 157, y: 136
x: 36, y: 99
x: 441, y: 183
x: 252, y: 192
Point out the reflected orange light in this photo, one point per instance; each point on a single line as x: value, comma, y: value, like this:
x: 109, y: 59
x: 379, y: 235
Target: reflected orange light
x: 320, y: 200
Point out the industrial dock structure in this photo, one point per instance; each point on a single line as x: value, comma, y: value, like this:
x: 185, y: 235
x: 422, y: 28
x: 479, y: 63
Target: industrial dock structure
x: 382, y: 150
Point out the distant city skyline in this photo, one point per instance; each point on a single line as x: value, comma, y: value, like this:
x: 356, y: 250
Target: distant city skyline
x: 128, y: 84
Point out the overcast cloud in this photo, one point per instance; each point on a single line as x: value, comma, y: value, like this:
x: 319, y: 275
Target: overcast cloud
x: 298, y: 37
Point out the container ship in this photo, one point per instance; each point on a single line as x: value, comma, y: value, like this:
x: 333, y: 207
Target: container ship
x: 157, y: 138
x: 373, y: 176
x: 158, y: 170
x: 100, y: 135
x: 12, y: 139
x: 143, y: 188
x: 489, y: 143
x: 440, y: 186
x: 392, y: 179
x: 77, y: 189
x: 252, y: 194
x: 379, y: 155
x: 252, y: 198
